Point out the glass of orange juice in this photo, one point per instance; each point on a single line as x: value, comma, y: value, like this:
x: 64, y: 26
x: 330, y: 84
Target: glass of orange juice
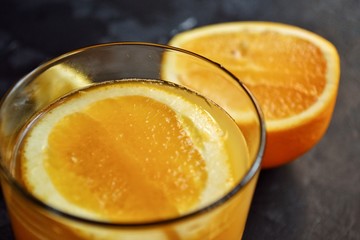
x: 129, y: 141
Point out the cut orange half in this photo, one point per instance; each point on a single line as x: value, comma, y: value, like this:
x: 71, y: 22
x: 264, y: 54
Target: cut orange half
x: 293, y: 74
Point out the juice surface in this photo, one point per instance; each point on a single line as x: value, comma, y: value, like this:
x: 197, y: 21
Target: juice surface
x: 131, y: 151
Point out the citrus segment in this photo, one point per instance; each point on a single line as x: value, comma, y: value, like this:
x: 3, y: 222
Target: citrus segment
x: 127, y: 152
x: 292, y: 73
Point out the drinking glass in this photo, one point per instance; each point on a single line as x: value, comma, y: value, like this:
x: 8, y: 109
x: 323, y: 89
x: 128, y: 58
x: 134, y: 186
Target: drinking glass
x: 31, y: 218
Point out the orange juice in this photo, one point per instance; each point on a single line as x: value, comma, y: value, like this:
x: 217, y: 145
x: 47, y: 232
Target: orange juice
x: 113, y: 157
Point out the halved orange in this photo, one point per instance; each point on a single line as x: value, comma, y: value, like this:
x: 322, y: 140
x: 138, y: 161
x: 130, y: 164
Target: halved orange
x: 293, y: 73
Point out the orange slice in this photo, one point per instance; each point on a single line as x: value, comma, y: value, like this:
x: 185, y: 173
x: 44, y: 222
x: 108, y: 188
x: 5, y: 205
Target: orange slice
x: 293, y: 73
x: 131, y: 151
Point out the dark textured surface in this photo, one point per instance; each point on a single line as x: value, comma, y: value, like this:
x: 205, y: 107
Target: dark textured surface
x: 315, y: 197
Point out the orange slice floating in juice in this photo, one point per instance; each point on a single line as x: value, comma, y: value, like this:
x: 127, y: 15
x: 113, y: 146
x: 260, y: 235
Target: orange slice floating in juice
x: 128, y: 152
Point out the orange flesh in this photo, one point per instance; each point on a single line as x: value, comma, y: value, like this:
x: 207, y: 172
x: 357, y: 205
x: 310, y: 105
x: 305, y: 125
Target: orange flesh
x: 126, y: 158
x: 285, y: 73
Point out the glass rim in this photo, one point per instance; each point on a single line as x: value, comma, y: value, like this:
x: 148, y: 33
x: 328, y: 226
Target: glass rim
x: 249, y: 174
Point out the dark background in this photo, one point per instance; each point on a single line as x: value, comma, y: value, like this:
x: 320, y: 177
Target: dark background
x: 315, y: 197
